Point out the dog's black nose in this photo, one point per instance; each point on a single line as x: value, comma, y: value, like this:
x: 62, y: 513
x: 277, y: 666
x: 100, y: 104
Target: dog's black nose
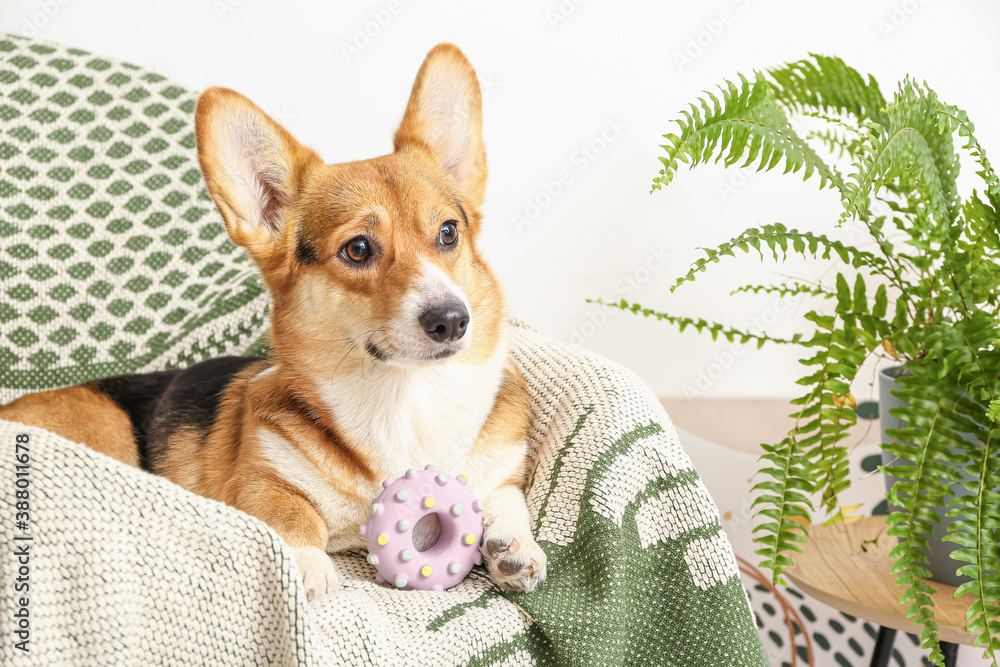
x: 446, y: 323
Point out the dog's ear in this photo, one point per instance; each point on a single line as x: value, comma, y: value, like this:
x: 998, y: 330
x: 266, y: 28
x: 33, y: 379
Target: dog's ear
x: 445, y: 118
x: 253, y: 168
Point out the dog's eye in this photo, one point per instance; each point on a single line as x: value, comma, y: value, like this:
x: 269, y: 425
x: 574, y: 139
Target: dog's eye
x: 357, y: 249
x: 448, y: 234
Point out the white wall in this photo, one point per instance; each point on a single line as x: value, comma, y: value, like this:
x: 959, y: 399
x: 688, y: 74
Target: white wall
x: 561, y: 76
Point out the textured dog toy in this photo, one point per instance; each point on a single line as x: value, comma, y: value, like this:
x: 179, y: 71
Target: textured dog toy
x: 403, y: 503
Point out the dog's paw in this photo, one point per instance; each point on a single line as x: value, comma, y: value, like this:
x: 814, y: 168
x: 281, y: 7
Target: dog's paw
x: 318, y: 575
x: 513, y: 558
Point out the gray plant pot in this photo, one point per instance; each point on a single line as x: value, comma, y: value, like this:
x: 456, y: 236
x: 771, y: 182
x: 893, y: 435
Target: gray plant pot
x: 942, y: 567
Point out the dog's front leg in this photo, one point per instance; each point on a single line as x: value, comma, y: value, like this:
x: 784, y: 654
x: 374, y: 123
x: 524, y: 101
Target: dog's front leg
x: 499, y: 466
x: 513, y: 557
x: 295, y: 519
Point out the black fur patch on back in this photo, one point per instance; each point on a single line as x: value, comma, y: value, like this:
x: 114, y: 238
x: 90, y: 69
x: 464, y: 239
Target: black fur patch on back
x: 137, y: 395
x: 192, y: 400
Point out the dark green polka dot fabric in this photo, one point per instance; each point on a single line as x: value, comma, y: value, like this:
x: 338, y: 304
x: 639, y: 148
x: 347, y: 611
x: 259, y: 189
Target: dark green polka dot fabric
x: 113, y: 258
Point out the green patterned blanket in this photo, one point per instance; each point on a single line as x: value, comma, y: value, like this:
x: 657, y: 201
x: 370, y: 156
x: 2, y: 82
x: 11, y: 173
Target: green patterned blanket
x: 113, y: 260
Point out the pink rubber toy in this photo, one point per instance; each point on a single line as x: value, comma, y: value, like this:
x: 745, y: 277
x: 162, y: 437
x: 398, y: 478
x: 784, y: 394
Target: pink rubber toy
x: 389, y: 530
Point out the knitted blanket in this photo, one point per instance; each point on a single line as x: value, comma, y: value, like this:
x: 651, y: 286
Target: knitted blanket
x: 113, y: 260
x: 127, y: 568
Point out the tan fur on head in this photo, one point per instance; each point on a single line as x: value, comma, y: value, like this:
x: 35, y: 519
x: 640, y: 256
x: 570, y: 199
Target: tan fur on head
x: 295, y: 214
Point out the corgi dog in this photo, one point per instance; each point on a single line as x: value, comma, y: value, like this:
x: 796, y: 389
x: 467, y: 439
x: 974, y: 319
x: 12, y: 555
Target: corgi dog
x: 389, y: 337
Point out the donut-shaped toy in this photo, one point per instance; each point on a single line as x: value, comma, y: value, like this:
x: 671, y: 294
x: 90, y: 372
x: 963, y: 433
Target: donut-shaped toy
x: 404, y: 502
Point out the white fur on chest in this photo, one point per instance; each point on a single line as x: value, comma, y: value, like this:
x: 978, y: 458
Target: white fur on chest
x: 410, y: 417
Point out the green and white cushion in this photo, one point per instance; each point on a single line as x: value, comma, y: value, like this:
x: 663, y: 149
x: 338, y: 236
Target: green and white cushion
x: 113, y: 260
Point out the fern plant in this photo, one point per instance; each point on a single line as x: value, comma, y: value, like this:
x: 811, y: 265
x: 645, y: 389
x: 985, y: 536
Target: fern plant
x: 925, y: 292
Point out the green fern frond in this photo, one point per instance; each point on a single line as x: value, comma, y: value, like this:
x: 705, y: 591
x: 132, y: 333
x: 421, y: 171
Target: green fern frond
x: 836, y: 143
x: 828, y: 85
x: 785, y: 504
x: 908, y: 148
x: 994, y: 411
x: 788, y: 289
x: 809, y: 460
x: 950, y: 119
x: 746, y: 124
x: 713, y: 328
x: 976, y: 530
x: 792, y: 464
x: 972, y: 357
x: 938, y: 415
x: 978, y: 537
x: 838, y: 138
x: 863, y: 320
x: 838, y: 123
x: 978, y: 276
x: 984, y: 224
x: 825, y: 421
x: 919, y: 487
x: 776, y: 237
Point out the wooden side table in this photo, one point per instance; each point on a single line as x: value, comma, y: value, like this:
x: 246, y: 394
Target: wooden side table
x: 847, y: 567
